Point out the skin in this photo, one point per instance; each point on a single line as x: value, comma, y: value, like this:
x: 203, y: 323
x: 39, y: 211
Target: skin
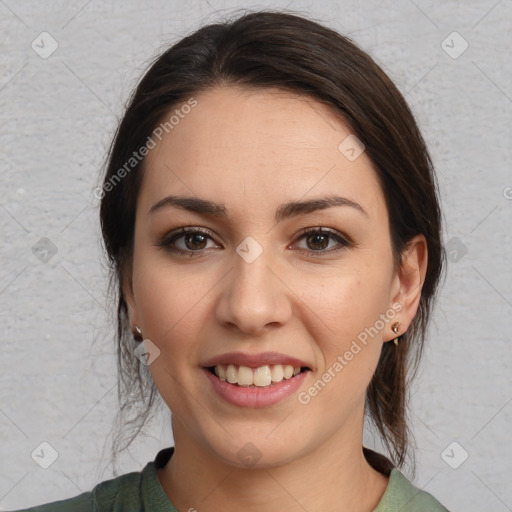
x: 253, y: 150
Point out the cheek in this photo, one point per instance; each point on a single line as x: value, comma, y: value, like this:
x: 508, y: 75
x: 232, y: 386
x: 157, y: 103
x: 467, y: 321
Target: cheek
x: 348, y: 346
x: 347, y: 300
x: 349, y: 304
x: 169, y: 300
x: 170, y: 304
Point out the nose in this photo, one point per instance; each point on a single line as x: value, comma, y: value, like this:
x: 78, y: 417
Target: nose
x: 254, y: 297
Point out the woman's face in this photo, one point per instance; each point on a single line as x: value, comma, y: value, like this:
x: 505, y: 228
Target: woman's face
x: 253, y: 284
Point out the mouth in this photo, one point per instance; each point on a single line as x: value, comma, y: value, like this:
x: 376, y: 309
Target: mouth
x: 262, y: 377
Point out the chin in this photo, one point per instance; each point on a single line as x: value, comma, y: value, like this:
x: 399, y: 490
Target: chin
x: 255, y: 451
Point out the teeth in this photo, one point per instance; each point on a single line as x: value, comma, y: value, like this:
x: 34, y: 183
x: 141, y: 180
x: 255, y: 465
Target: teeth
x: 277, y: 373
x: 287, y: 371
x: 245, y: 376
x: 261, y: 377
x: 231, y: 374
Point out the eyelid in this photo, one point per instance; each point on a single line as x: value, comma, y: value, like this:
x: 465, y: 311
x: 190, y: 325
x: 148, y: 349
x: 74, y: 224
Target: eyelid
x: 181, y: 231
x: 328, y: 231
x: 343, y: 240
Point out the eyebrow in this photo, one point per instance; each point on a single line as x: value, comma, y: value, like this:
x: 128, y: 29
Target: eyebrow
x: 285, y: 211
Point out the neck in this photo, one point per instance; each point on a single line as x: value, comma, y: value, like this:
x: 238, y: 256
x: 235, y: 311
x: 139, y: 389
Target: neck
x: 333, y: 477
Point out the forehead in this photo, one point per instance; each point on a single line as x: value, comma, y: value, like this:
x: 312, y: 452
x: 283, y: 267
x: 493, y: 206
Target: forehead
x: 260, y: 145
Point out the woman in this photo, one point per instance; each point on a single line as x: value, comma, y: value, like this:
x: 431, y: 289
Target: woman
x: 270, y: 213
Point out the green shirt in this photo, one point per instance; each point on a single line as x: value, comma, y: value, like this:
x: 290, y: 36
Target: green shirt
x: 141, y: 491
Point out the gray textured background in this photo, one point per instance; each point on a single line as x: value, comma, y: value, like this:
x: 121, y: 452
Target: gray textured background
x: 57, y: 366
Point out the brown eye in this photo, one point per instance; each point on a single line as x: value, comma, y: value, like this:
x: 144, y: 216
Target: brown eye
x: 318, y: 240
x: 186, y: 241
x: 195, y: 241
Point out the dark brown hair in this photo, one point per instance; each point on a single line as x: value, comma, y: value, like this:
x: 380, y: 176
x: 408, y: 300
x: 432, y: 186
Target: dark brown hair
x: 270, y: 49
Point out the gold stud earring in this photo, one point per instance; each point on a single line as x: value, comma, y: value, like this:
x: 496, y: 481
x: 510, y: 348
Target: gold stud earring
x: 137, y: 334
x: 395, y: 328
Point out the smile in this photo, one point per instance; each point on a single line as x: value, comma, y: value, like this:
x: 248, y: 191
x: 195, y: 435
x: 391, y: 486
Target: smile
x: 251, y: 387
x: 262, y: 376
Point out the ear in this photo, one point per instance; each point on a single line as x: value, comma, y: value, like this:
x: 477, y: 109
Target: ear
x: 408, y: 283
x: 127, y: 289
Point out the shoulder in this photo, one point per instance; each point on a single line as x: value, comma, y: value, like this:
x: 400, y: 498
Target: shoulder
x: 131, y: 492
x: 401, y: 494
x: 122, y: 493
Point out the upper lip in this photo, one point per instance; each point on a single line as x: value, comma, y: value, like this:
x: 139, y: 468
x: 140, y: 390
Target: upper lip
x: 255, y: 360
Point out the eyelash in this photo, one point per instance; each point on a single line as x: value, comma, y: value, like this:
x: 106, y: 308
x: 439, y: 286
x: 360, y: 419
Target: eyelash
x: 167, y: 241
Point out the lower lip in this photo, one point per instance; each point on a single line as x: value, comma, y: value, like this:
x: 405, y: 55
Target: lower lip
x: 256, y: 396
